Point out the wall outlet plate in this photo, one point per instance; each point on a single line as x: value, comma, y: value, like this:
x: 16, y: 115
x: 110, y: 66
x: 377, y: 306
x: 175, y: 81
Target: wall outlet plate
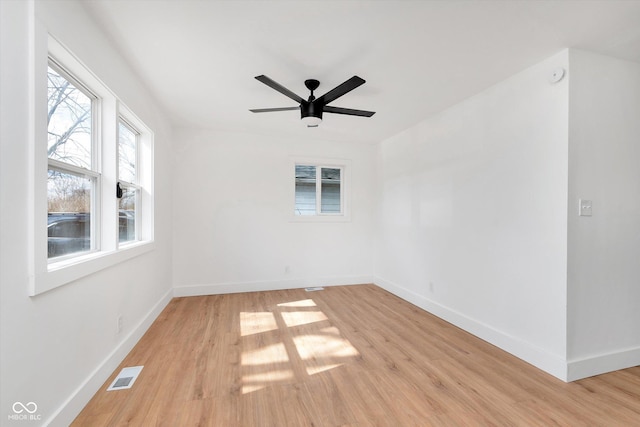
x: 585, y: 207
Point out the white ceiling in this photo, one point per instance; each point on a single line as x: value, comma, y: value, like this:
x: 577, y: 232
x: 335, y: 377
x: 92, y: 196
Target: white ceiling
x: 199, y: 57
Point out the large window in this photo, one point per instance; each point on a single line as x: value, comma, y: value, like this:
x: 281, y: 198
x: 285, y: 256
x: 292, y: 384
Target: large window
x: 72, y: 178
x: 95, y: 182
x: 320, y: 190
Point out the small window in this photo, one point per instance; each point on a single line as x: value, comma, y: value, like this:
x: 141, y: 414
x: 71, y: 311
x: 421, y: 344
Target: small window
x: 318, y: 190
x: 129, y: 194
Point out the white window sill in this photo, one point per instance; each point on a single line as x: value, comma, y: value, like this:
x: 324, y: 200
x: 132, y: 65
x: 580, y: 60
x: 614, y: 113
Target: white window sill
x: 68, y: 270
x: 320, y: 218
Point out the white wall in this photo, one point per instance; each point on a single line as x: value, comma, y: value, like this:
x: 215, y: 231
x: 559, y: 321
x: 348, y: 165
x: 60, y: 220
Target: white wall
x: 472, y: 215
x: 604, y: 166
x: 58, y: 347
x: 233, y: 206
x: 470, y: 206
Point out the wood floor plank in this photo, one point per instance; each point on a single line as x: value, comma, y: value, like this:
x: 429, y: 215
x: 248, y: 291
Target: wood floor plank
x: 345, y: 356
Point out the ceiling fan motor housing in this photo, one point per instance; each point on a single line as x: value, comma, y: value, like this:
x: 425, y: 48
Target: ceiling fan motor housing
x: 310, y: 109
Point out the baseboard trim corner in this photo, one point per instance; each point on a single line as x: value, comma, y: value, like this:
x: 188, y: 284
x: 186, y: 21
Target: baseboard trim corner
x: 531, y: 354
x: 603, y: 363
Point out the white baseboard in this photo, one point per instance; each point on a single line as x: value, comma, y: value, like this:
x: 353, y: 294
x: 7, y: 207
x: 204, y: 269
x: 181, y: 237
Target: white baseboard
x: 271, y: 285
x: 601, y: 364
x: 70, y: 409
x: 539, y: 358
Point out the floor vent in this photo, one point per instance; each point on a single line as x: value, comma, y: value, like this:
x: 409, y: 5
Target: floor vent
x: 125, y: 378
x: 314, y: 288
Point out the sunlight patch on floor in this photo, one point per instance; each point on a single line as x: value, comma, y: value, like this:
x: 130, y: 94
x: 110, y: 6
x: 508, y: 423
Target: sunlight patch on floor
x: 297, y: 318
x: 273, y: 353
x: 256, y: 323
x: 325, y: 346
x: 318, y: 351
x: 301, y: 303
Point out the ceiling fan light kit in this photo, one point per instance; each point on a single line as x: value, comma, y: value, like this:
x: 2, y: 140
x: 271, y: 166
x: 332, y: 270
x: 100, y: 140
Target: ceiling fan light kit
x: 311, y: 121
x: 311, y: 109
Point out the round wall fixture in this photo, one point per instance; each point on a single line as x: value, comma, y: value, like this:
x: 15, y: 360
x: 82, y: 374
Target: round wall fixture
x: 556, y: 75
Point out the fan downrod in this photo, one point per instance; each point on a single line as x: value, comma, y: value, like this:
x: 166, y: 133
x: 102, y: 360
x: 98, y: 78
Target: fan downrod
x: 312, y: 84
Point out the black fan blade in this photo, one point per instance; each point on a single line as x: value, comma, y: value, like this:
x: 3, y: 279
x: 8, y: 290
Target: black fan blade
x: 341, y: 89
x: 348, y: 111
x: 269, y: 110
x: 277, y: 86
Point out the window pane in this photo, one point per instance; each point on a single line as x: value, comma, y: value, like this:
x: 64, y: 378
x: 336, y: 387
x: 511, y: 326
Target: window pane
x: 330, y: 191
x: 127, y: 215
x: 126, y: 153
x: 69, y: 219
x: 305, y: 190
x: 69, y: 122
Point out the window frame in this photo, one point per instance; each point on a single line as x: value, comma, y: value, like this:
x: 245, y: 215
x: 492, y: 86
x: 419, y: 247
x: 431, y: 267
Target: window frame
x: 345, y: 181
x: 93, y: 172
x: 43, y: 274
x: 122, y: 119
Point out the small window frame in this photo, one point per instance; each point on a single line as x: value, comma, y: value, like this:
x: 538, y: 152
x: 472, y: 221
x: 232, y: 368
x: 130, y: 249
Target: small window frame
x: 344, y: 165
x: 126, y: 185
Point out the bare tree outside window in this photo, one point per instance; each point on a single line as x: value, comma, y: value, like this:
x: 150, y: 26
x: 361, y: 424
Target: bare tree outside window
x: 68, y: 193
x: 126, y: 153
x: 68, y: 122
x: 69, y: 148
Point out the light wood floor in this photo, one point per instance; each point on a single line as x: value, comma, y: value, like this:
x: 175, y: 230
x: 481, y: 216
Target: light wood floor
x: 345, y: 356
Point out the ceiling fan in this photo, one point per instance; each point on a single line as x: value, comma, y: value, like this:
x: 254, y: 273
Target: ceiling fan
x: 311, y: 109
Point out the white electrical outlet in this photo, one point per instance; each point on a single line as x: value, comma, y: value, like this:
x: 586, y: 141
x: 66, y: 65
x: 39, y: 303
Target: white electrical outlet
x: 120, y: 323
x: 585, y: 207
